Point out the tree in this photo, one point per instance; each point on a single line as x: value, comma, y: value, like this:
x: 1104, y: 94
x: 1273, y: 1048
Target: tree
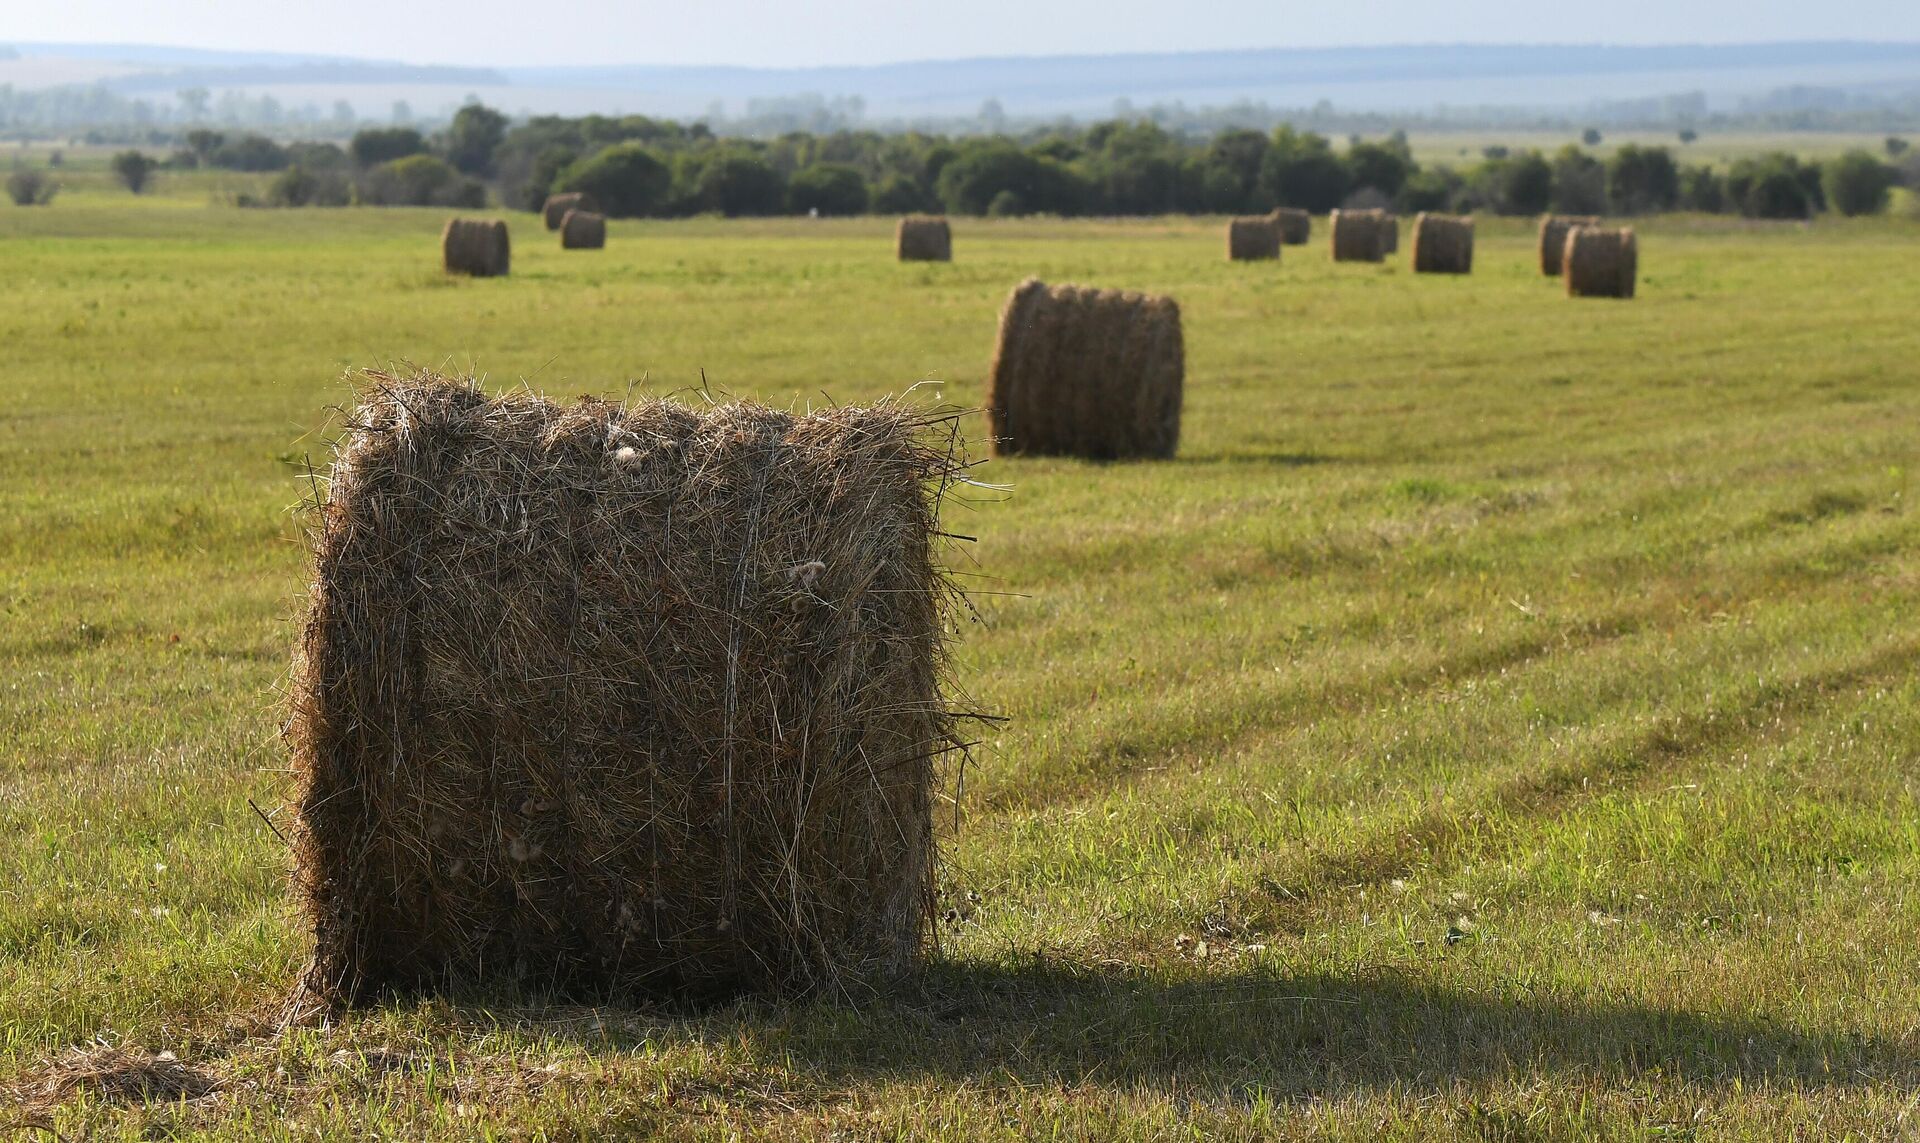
x: 830, y: 188
x: 1702, y: 190
x: 898, y: 194
x: 1688, y: 135
x: 375, y: 145
x: 970, y: 183
x: 27, y: 187
x: 419, y: 180
x: 1896, y: 146
x: 250, y: 153
x: 1591, y: 136
x: 626, y: 179
x: 1642, y: 180
x: 1522, y: 184
x: 473, y: 136
x: 1856, y: 183
x: 1379, y: 166
x: 738, y: 184
x: 1234, y: 158
x: 1301, y: 170
x: 204, y: 143
x: 1579, y: 182
x: 134, y: 169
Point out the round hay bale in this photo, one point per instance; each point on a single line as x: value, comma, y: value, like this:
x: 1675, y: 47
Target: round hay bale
x: 1296, y: 225
x: 1253, y: 239
x: 1553, y: 239
x: 1442, y: 244
x: 583, y: 230
x: 621, y: 699
x: 1389, y: 233
x: 1599, y: 262
x: 923, y: 239
x: 1359, y: 235
x: 476, y: 247
x: 557, y: 206
x: 1085, y: 372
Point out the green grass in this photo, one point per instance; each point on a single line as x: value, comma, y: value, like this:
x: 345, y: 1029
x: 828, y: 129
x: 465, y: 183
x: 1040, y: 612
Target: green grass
x: 1499, y: 722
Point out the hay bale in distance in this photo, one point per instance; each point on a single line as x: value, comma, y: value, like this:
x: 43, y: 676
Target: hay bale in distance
x: 1442, y: 244
x: 1599, y: 262
x: 1553, y: 239
x: 1358, y: 235
x: 1296, y: 225
x: 1389, y: 233
x: 923, y: 239
x: 620, y: 698
x: 475, y: 246
x: 1086, y: 372
x: 555, y: 211
x: 1253, y: 239
x: 583, y: 230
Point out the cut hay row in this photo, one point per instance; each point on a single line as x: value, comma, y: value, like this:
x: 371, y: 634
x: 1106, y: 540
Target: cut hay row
x: 923, y: 239
x: 1359, y: 235
x: 1253, y: 239
x: 1086, y: 372
x: 1442, y: 244
x: 583, y: 230
x: 620, y: 698
x: 1296, y: 225
x: 1599, y: 262
x: 557, y: 206
x: 1553, y: 239
x: 475, y: 246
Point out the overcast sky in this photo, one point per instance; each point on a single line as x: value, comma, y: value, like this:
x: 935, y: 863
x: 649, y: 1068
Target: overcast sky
x: 799, y: 33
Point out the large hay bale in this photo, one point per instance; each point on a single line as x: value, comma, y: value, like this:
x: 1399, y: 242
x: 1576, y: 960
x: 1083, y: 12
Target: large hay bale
x: 1389, y: 233
x: 1553, y: 239
x: 1442, y: 244
x: 583, y: 230
x: 1296, y: 225
x: 920, y: 239
x: 1359, y: 235
x: 557, y: 206
x: 475, y: 246
x: 1253, y: 239
x: 1086, y: 372
x: 1598, y: 262
x: 620, y: 698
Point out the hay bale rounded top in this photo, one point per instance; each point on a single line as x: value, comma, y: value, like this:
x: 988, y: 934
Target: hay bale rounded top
x: 1442, y: 244
x: 475, y: 246
x: 1086, y: 372
x: 557, y: 206
x: 923, y: 239
x: 620, y: 698
x: 1253, y: 239
x: 1600, y: 262
x: 1359, y: 235
x: 583, y: 230
x: 1553, y: 239
x: 1296, y: 225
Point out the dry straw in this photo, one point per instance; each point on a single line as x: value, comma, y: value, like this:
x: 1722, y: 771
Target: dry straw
x: 1442, y: 244
x: 475, y: 246
x: 583, y: 230
x: 921, y: 239
x: 1553, y: 239
x: 1359, y: 235
x: 555, y: 211
x: 1253, y: 239
x: 621, y: 698
x: 1086, y: 372
x: 1601, y: 263
x: 1296, y: 225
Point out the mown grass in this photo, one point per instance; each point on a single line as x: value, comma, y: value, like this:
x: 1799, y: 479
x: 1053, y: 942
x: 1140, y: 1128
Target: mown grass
x: 1497, y: 723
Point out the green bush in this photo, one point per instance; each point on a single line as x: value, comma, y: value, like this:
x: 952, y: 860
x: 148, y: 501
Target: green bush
x: 1642, y: 180
x: 249, y: 153
x: 627, y: 179
x: 297, y: 186
x: 28, y: 187
x: 738, y: 185
x: 419, y: 180
x: 1857, y: 183
x: 898, y: 194
x: 134, y: 169
x: 1007, y: 204
x: 376, y: 145
x: 830, y: 188
x: 1703, y: 190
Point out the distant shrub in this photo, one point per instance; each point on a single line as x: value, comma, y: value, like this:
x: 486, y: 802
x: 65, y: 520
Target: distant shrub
x: 1006, y: 204
x: 1642, y: 180
x: 376, y: 145
x: 249, y: 153
x: 297, y: 186
x: 1857, y: 183
x: 739, y: 185
x: 1776, y: 186
x: 419, y: 180
x: 626, y: 179
x: 1688, y: 135
x: 1591, y: 136
x: 1703, y: 190
x: 316, y: 156
x: 898, y: 194
x: 830, y: 188
x: 27, y: 187
x: 473, y: 136
x: 1579, y: 183
x: 134, y: 169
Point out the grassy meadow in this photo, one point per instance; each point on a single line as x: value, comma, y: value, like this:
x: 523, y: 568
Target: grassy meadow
x: 1501, y: 721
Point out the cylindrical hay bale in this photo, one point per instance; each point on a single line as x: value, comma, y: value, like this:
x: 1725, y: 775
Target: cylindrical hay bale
x: 475, y: 246
x: 1442, y: 244
x: 1389, y: 233
x: 920, y: 239
x: 1553, y: 239
x: 1601, y: 263
x: 1358, y: 235
x: 555, y: 211
x: 1086, y: 372
x: 1296, y: 225
x: 583, y: 230
x: 1253, y: 239
x: 621, y: 699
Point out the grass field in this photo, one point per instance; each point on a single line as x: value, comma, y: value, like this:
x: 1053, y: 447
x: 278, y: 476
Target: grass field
x: 1500, y: 722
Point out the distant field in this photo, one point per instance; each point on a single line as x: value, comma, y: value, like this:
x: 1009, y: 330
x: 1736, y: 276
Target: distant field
x: 1499, y: 722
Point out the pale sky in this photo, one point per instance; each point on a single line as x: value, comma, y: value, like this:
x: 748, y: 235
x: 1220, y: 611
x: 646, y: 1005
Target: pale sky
x: 799, y: 33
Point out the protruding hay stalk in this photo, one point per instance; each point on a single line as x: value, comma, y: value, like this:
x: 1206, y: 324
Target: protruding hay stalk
x: 583, y: 230
x: 1086, y: 372
x: 1296, y: 225
x: 923, y: 239
x: 1598, y: 262
x: 1553, y: 239
x: 1253, y: 239
x: 621, y: 699
x: 1359, y: 235
x: 475, y: 246
x: 1442, y: 244
x: 555, y: 211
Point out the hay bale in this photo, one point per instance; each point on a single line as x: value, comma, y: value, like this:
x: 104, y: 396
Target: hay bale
x: 1086, y: 372
x: 583, y: 230
x: 620, y: 698
x: 1359, y: 235
x: 1442, y: 244
x: 1296, y: 226
x: 1253, y: 239
x: 921, y: 239
x: 555, y: 211
x: 1389, y: 233
x: 475, y: 246
x: 1599, y: 262
x: 1553, y: 239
